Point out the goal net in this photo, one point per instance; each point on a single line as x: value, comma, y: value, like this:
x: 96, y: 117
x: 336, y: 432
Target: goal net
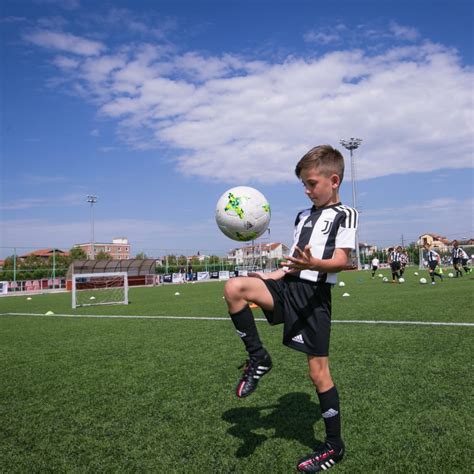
x: 89, y: 289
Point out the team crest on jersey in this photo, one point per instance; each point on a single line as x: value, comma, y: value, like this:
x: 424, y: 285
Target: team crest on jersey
x: 327, y: 227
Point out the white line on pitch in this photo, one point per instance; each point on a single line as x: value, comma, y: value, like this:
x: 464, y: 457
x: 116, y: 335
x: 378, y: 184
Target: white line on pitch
x: 207, y: 318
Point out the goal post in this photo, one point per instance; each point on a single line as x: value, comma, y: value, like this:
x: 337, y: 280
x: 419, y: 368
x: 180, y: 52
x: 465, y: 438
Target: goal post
x: 90, y: 289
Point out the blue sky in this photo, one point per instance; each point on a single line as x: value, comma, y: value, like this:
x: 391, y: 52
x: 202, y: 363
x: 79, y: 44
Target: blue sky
x: 158, y: 107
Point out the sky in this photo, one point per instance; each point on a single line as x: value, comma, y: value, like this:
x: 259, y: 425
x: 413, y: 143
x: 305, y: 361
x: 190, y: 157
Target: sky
x: 158, y: 107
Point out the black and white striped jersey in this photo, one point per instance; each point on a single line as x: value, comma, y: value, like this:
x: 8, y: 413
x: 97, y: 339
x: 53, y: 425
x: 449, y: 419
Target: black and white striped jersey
x: 462, y: 254
x: 432, y: 256
x: 394, y: 256
x: 403, y: 258
x: 325, y: 229
x: 454, y: 252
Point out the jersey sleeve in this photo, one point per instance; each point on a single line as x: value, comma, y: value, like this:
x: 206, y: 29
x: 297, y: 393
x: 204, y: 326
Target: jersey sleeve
x: 346, y: 233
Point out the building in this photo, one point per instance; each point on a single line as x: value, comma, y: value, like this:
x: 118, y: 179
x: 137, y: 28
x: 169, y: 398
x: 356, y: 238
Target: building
x: 45, y: 253
x: 367, y: 250
x: 434, y: 240
x: 118, y: 249
x: 254, y: 254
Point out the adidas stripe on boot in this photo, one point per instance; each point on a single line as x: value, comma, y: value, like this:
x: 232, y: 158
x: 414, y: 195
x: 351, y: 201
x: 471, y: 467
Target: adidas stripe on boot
x: 324, y: 457
x: 254, y: 369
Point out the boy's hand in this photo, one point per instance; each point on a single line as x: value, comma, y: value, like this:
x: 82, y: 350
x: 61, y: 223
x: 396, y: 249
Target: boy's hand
x: 304, y: 260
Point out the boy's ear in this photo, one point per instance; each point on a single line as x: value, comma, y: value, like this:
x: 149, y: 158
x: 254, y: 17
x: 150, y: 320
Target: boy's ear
x: 335, y: 181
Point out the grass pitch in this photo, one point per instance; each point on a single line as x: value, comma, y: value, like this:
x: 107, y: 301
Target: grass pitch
x: 157, y: 395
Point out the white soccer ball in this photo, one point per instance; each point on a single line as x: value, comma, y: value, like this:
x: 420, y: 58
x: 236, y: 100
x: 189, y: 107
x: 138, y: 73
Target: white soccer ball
x: 29, y: 298
x: 401, y: 280
x: 385, y: 279
x: 92, y: 298
x: 341, y: 283
x: 416, y: 273
x: 450, y: 275
x: 346, y: 294
x: 423, y: 281
x: 380, y: 275
x: 177, y: 293
x: 243, y: 213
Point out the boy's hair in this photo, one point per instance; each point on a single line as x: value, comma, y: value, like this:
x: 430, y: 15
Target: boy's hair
x: 326, y: 158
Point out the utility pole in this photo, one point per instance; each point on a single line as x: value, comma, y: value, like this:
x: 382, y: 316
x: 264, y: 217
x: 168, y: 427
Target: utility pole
x: 352, y: 144
x: 92, y: 199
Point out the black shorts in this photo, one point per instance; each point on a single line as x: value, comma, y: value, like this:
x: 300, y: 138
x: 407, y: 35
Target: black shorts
x: 455, y: 261
x: 432, y: 265
x: 374, y: 268
x: 304, y: 308
x: 464, y: 261
x: 395, y: 266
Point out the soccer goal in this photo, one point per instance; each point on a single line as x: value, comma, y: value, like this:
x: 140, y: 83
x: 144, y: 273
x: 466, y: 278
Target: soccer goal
x: 89, y: 289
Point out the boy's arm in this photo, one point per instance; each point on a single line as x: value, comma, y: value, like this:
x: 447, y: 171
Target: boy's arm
x: 305, y: 261
x: 275, y: 275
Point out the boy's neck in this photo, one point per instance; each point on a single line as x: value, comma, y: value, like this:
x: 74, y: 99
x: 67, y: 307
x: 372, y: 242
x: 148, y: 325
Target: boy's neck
x: 332, y: 202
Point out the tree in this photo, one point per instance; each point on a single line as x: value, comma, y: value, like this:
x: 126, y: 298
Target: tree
x: 76, y: 253
x: 103, y: 256
x: 141, y: 256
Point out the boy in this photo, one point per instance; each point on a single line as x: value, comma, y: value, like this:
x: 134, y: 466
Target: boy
x: 464, y: 258
x: 403, y: 261
x: 375, y: 266
x: 394, y: 261
x: 299, y: 294
x: 456, y: 258
x: 433, y: 259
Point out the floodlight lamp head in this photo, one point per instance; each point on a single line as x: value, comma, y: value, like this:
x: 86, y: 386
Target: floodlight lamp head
x: 91, y: 198
x: 352, y: 143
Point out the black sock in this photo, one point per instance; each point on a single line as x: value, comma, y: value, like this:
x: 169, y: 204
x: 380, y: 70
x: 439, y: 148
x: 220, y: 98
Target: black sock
x: 330, y: 411
x: 244, y: 323
x: 432, y: 278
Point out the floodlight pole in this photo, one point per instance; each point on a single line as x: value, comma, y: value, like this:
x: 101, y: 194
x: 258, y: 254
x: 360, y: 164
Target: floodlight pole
x: 92, y: 199
x: 352, y: 144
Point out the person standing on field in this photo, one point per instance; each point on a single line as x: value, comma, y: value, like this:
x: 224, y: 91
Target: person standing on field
x: 299, y: 295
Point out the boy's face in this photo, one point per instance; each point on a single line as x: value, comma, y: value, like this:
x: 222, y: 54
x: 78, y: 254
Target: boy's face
x: 321, y: 188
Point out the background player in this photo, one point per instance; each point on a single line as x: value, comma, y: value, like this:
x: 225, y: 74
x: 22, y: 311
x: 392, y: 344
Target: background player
x: 433, y: 260
x: 394, y: 261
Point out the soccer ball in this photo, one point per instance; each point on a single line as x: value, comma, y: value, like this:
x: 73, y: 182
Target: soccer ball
x: 401, y: 280
x: 416, y: 273
x: 341, y: 283
x: 423, y: 281
x: 385, y: 279
x: 450, y: 275
x: 243, y: 213
x: 380, y: 275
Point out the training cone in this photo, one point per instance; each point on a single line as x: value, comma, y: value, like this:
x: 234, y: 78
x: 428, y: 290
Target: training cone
x: 346, y: 294
x: 48, y: 313
x: 177, y: 293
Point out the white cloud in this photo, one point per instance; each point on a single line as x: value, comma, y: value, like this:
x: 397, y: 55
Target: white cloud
x: 404, y: 32
x: 235, y: 119
x: 73, y: 199
x: 321, y: 37
x: 65, y: 42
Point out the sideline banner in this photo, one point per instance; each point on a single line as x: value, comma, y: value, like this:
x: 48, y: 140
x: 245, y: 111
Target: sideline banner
x: 202, y: 276
x: 3, y: 287
x: 178, y: 277
x: 224, y: 275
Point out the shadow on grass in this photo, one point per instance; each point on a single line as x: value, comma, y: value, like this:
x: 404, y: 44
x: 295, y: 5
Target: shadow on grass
x: 293, y: 417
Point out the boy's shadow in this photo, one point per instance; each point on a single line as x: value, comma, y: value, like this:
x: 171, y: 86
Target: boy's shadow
x: 293, y: 417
